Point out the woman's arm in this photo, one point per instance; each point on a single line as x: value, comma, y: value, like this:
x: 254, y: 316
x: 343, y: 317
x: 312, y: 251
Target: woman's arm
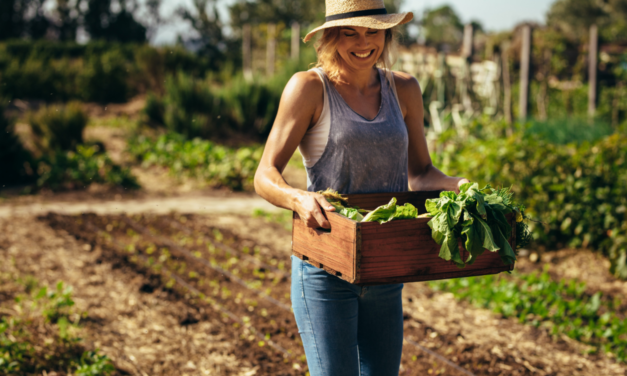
x: 301, y: 104
x: 423, y: 175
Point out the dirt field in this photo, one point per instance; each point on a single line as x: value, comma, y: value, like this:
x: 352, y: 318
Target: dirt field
x: 208, y: 294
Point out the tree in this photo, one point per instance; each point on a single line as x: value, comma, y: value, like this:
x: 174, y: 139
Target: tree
x: 574, y: 18
x: 442, y: 28
x: 67, y: 15
x: 12, y: 18
x: 205, y: 20
x: 102, y: 23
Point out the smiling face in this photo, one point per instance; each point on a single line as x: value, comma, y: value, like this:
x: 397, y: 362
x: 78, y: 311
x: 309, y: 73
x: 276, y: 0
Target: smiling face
x: 360, y: 47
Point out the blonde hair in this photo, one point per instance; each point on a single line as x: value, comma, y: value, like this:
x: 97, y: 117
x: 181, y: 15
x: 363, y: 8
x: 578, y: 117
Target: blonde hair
x: 329, y: 59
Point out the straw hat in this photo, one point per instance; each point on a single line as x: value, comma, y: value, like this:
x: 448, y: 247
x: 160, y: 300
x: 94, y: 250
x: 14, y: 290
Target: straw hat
x: 364, y: 13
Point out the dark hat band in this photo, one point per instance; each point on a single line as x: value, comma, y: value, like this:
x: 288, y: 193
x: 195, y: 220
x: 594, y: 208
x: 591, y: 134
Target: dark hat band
x: 359, y: 13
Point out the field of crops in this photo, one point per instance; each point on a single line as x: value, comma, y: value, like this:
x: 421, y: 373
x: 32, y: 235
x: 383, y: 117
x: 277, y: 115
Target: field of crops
x: 244, y: 284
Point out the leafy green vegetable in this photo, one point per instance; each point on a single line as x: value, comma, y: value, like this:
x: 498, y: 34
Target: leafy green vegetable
x: 477, y: 216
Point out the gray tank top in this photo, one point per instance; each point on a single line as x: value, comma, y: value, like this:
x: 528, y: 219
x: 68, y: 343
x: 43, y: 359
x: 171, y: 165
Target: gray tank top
x: 363, y: 156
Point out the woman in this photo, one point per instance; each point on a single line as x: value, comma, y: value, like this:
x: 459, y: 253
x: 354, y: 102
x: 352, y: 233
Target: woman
x: 360, y: 130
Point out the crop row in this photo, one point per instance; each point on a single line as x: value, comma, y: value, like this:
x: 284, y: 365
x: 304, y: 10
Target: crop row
x: 562, y: 307
x: 244, y: 282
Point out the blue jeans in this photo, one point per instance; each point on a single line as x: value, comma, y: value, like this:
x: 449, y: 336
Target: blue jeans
x: 347, y: 330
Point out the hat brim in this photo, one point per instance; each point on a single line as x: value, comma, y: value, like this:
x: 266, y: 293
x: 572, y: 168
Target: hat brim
x: 383, y: 21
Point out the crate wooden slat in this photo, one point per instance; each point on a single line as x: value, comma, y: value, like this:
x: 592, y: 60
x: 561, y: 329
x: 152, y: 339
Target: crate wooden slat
x: 396, y: 252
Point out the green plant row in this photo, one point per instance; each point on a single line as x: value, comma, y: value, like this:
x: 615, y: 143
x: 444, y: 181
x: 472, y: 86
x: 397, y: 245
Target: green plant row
x: 68, y: 170
x: 561, y: 307
x: 219, y: 166
x: 41, y: 316
x: 577, y: 191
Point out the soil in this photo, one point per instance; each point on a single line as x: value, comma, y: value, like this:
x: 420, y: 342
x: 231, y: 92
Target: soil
x: 148, y: 326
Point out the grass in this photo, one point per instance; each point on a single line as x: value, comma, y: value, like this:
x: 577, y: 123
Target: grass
x: 561, y: 307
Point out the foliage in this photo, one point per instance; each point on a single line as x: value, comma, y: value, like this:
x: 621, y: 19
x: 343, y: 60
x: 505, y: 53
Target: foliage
x: 200, y: 108
x: 560, y: 307
x: 442, y: 27
x: 58, y: 127
x: 63, y: 170
x: 46, y: 316
x: 565, y: 131
x: 98, y: 71
x: 16, y: 161
x: 574, y: 18
x: 205, y: 20
x: 576, y: 191
x: 217, y: 165
x: 27, y: 18
x: 477, y: 216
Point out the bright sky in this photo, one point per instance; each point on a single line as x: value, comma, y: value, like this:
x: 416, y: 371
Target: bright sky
x: 495, y: 15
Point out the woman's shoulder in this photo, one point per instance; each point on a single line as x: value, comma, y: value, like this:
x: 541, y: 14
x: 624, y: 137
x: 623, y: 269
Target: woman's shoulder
x: 307, y: 80
x: 304, y: 86
x: 405, y: 82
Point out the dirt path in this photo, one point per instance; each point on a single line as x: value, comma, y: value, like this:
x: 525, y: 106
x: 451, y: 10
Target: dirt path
x: 197, y: 203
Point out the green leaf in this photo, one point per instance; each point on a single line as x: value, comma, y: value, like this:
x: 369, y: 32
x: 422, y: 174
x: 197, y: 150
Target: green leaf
x: 474, y: 234
x: 488, y: 239
x: 383, y: 213
x: 450, y: 251
x: 352, y: 213
x: 432, y: 206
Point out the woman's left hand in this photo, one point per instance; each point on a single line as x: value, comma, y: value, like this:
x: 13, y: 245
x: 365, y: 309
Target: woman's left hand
x: 460, y: 183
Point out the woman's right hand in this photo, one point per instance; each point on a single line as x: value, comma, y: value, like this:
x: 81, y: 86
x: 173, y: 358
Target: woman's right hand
x: 310, y: 207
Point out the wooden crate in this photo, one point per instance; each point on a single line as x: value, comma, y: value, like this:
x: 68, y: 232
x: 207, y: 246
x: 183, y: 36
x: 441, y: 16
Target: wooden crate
x: 396, y: 252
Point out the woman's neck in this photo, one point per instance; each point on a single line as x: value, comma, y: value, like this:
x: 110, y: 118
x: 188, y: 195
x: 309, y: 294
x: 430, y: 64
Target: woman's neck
x: 361, y: 79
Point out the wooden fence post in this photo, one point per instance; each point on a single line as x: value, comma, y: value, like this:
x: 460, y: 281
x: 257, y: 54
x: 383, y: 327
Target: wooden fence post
x: 593, y: 50
x: 525, y: 62
x: 466, y: 80
x: 246, y: 52
x: 295, y: 50
x: 270, y: 49
x: 507, y: 83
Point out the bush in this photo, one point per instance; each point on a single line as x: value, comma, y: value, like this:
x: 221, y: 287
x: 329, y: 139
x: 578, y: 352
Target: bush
x: 16, y: 166
x: 58, y: 127
x: 578, y: 192
x: 97, y: 71
x: 104, y: 78
x: 220, y: 106
x: 219, y: 166
x: 65, y: 170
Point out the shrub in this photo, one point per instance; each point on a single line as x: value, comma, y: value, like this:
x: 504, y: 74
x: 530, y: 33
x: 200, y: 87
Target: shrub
x: 58, y: 127
x: 16, y: 166
x: 578, y: 192
x: 104, y: 78
x: 64, y: 170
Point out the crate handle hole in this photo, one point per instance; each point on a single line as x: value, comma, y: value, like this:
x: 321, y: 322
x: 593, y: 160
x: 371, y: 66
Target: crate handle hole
x: 321, y: 230
x: 338, y: 274
x: 305, y: 258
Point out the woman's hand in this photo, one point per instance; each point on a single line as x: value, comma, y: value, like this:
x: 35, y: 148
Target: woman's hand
x: 461, y: 182
x: 309, y: 206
